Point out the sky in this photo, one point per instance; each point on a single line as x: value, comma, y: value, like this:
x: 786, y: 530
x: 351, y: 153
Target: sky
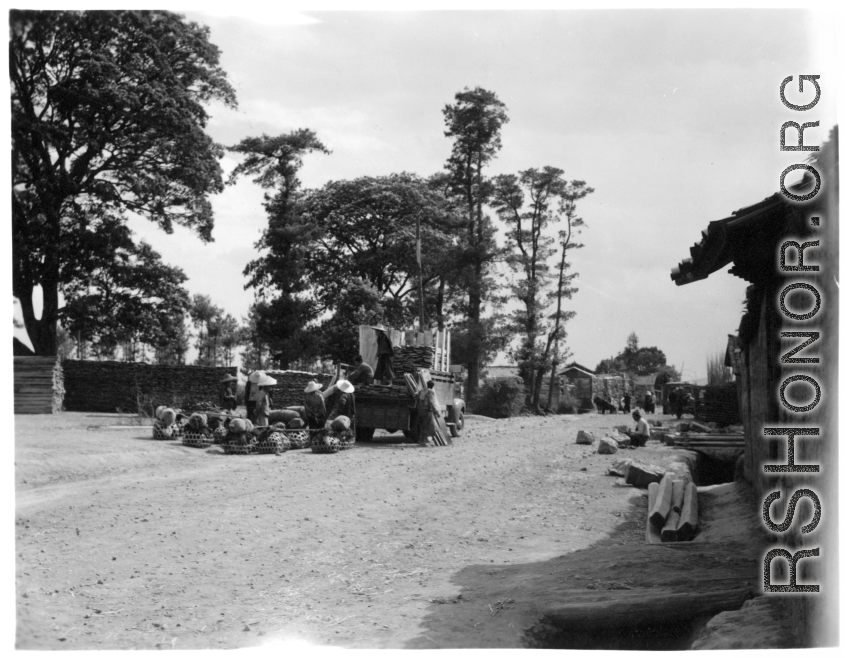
x: 672, y: 116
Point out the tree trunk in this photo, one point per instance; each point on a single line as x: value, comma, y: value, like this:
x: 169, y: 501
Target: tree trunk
x: 42, y: 332
x: 536, y: 393
x: 552, y: 381
x: 439, y: 303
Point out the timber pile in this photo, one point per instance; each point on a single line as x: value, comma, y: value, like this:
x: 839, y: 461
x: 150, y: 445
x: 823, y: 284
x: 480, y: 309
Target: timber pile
x: 288, y: 391
x: 38, y: 385
x: 388, y: 393
x: 716, y: 404
x: 692, y: 441
x: 410, y: 358
x: 109, y: 386
x: 672, y: 511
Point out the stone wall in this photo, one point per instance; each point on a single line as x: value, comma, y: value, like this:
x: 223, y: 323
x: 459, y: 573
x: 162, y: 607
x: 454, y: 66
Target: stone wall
x: 111, y: 386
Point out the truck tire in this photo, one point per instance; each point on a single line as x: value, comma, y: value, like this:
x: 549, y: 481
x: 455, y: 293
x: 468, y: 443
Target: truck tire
x: 365, y: 434
x: 458, y: 422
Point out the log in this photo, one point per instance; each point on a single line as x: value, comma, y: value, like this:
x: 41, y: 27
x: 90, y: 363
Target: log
x: 652, y: 535
x: 669, y: 530
x: 662, y: 507
x: 689, y: 517
x: 641, y: 606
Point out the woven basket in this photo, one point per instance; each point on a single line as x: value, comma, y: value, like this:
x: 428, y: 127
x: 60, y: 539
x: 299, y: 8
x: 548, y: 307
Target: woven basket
x: 233, y: 446
x: 325, y: 444
x: 274, y: 443
x: 161, y: 433
x: 346, y: 439
x: 219, y: 435
x: 297, y: 439
x: 196, y: 440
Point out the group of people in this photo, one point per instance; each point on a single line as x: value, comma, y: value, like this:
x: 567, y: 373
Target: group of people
x: 649, y: 402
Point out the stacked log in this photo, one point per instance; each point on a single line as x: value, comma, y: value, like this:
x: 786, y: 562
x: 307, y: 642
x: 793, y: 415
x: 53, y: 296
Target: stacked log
x: 110, y: 386
x: 411, y: 358
x: 716, y: 404
x: 38, y: 385
x: 288, y: 391
x: 691, y: 441
x: 672, y: 513
x: 385, y: 393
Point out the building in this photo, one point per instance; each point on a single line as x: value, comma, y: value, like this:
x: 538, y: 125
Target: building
x: 751, y: 241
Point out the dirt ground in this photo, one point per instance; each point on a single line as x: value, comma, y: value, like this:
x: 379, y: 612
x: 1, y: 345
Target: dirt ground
x: 123, y: 542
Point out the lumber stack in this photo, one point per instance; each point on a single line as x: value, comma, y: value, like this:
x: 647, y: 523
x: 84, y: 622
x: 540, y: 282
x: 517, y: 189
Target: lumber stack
x: 692, y: 441
x: 290, y: 384
x: 716, y: 404
x: 384, y: 393
x: 109, y: 386
x: 38, y: 385
x: 411, y: 358
x: 672, y: 512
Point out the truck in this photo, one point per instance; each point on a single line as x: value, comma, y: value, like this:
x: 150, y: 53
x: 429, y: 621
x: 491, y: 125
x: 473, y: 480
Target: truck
x: 392, y: 407
x: 419, y: 356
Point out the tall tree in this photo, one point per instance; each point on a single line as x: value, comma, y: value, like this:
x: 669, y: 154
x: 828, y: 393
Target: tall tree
x: 573, y: 192
x: 474, y: 122
x: 107, y: 115
x: 279, y: 277
x: 526, y: 203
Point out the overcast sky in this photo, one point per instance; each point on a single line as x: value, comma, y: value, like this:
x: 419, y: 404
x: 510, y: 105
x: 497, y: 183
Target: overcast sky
x: 672, y: 116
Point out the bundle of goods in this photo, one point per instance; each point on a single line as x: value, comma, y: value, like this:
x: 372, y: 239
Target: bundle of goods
x: 239, y: 439
x: 412, y: 357
x: 272, y: 441
x: 288, y: 390
x: 325, y: 442
x: 346, y: 439
x: 164, y: 427
x: 197, y: 433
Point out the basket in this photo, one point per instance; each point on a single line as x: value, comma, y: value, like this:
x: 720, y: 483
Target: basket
x: 235, y: 446
x: 162, y: 433
x: 219, y: 435
x: 346, y: 439
x: 297, y: 439
x: 274, y: 443
x: 196, y: 440
x: 325, y: 443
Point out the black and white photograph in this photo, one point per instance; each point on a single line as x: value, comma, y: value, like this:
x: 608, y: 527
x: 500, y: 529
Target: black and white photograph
x: 423, y: 328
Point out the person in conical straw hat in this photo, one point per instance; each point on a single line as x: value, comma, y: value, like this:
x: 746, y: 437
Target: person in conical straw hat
x: 227, y: 393
x: 251, y: 392
x: 263, y: 401
x: 341, y: 402
x: 314, y: 405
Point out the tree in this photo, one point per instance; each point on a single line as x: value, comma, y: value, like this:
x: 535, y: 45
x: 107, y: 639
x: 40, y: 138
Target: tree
x: 358, y: 303
x: 573, y: 192
x: 474, y: 123
x: 283, y: 308
x: 107, y: 117
x: 636, y: 360
x: 366, y: 229
x: 131, y: 299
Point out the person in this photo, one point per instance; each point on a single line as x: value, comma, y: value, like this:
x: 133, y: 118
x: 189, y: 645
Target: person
x: 627, y: 400
x: 314, y: 406
x: 252, y: 392
x: 649, y: 404
x: 340, y: 401
x: 681, y: 402
x: 428, y: 412
x: 384, y: 352
x: 227, y: 395
x: 642, y: 431
x: 671, y: 405
x: 263, y: 400
x: 363, y: 375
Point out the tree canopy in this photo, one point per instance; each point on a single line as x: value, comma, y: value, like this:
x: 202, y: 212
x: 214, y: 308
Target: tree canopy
x: 107, y: 118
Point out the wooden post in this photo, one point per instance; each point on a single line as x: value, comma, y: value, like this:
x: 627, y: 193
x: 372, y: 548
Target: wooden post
x: 660, y: 509
x: 688, y: 519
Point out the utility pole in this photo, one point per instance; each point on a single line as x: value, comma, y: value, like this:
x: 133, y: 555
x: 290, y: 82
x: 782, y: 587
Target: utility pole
x: 420, y: 271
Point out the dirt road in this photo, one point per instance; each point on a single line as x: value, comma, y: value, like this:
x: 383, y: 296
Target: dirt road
x: 127, y: 543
